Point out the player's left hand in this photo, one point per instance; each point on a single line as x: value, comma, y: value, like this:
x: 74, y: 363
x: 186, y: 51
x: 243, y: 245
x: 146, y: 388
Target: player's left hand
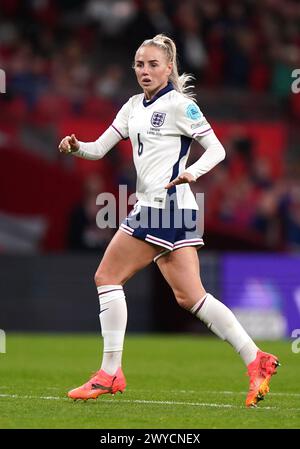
x: 181, y: 179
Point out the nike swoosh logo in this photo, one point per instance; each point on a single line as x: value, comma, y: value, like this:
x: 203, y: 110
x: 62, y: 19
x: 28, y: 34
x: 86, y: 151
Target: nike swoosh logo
x: 101, y: 387
x: 103, y: 310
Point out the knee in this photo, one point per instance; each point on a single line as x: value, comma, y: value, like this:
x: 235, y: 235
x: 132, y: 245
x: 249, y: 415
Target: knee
x: 183, y: 300
x: 100, y: 278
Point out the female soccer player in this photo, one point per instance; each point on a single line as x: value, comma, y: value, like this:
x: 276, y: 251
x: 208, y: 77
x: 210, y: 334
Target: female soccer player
x: 161, y: 123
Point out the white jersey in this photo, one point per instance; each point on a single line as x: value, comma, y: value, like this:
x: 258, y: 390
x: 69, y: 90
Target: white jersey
x: 161, y: 131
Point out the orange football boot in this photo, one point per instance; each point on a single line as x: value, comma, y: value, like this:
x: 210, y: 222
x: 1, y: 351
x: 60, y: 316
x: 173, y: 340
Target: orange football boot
x: 100, y: 383
x: 260, y: 372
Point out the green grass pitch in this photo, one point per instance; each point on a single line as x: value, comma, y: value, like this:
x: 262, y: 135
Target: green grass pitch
x: 174, y: 382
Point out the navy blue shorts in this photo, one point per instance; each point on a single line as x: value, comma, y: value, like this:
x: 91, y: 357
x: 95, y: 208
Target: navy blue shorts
x: 169, y: 228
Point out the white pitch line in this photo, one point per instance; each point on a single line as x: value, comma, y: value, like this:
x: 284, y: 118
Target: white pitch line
x: 141, y: 401
x: 17, y: 396
x: 2, y: 387
x: 136, y: 401
x: 5, y: 387
x: 237, y: 392
x: 215, y: 392
x: 195, y: 404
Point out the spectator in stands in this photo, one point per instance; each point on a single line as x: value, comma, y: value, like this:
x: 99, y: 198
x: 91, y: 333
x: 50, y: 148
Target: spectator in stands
x: 290, y: 212
x: 109, y: 84
x: 83, y: 232
x: 190, y: 43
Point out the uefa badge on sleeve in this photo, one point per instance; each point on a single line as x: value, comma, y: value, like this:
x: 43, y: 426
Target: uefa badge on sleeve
x: 158, y: 119
x: 193, y: 112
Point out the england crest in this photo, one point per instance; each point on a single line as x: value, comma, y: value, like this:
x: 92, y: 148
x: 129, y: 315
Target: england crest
x: 158, y: 119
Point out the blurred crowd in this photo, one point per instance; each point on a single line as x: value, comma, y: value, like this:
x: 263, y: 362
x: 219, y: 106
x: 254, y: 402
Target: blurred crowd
x: 75, y: 57
x: 244, y: 201
x: 76, y: 48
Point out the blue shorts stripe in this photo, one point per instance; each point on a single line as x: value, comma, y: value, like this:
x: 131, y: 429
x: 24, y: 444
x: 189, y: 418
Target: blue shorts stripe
x: 167, y: 234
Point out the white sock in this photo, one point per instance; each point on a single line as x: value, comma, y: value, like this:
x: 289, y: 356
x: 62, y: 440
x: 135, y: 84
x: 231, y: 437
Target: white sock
x: 113, y: 320
x: 111, y: 361
x: 224, y: 324
x: 248, y: 352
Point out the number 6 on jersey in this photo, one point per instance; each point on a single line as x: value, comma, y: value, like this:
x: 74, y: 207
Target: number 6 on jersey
x: 141, y: 145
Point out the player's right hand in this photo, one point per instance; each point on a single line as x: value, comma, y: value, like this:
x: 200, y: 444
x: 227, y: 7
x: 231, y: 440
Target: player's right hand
x: 69, y: 144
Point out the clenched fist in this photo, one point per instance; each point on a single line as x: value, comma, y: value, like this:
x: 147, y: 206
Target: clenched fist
x: 69, y: 144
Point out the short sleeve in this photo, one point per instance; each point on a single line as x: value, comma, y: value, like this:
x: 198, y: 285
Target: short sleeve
x: 120, y: 123
x: 190, y: 120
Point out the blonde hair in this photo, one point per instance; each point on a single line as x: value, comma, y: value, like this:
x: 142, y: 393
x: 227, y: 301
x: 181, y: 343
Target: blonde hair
x: 180, y: 82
